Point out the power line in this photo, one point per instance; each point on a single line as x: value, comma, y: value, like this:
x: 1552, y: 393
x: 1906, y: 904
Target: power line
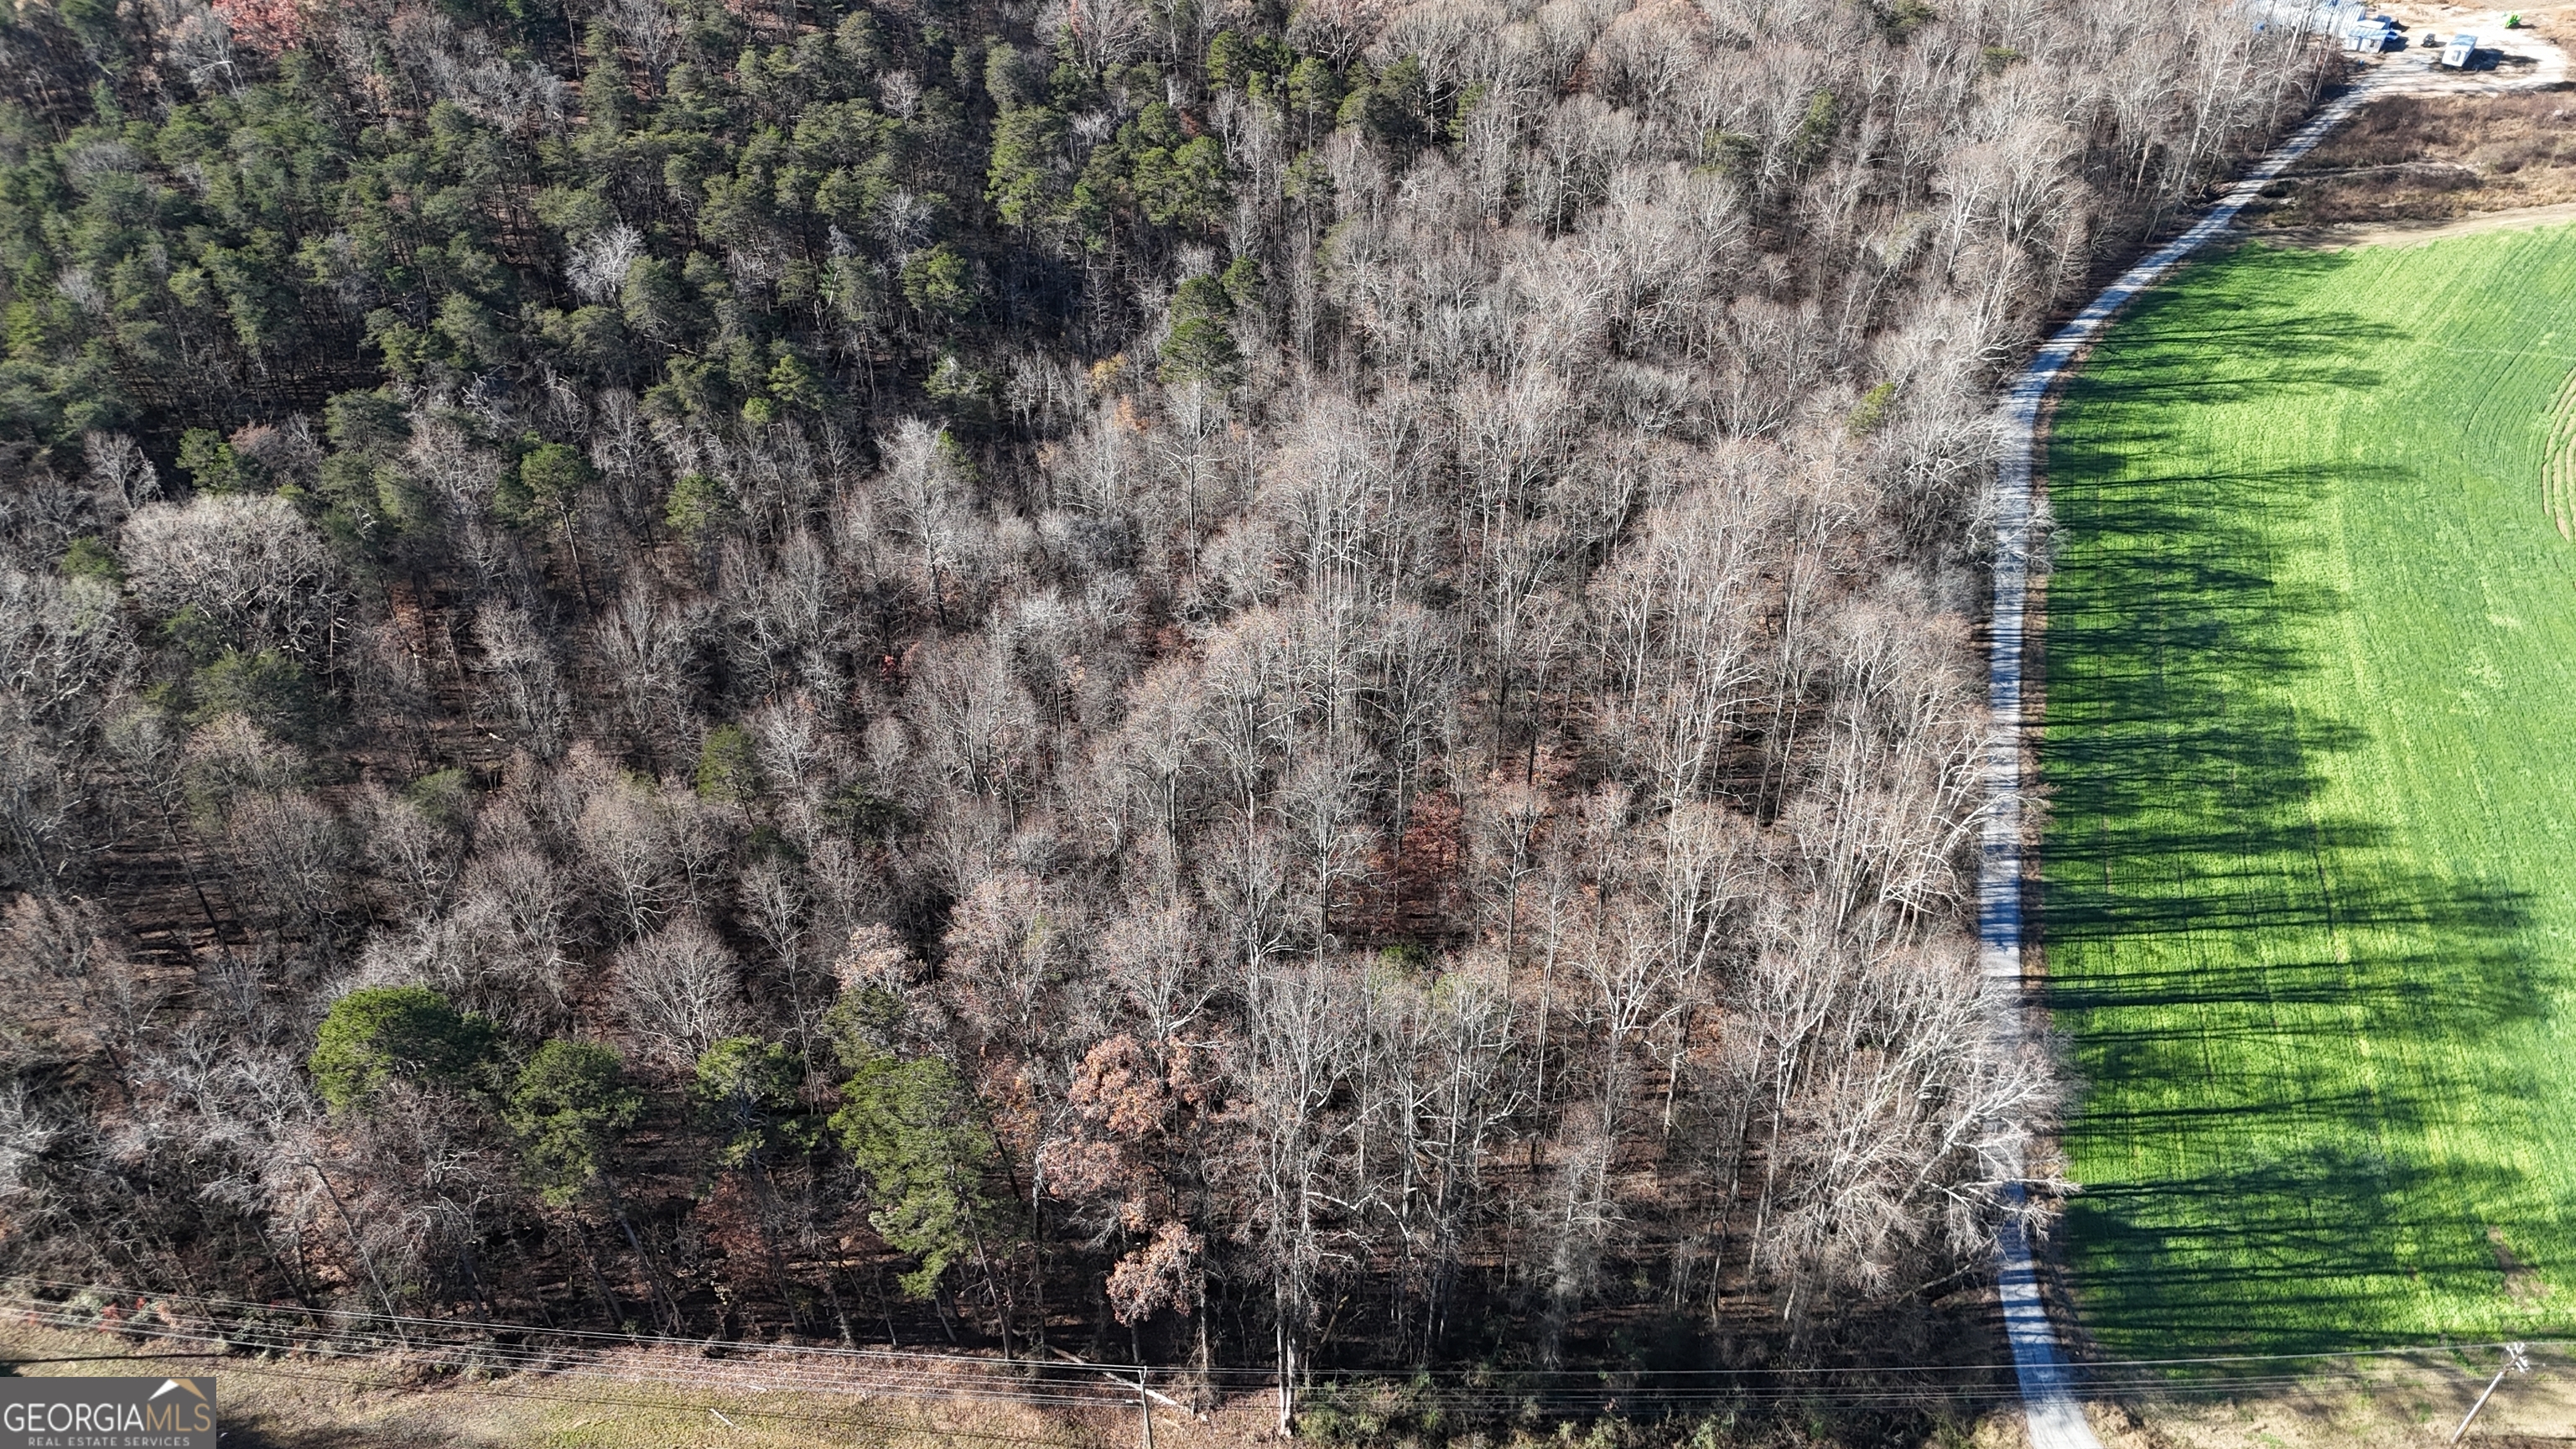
x: 731, y: 1347
x: 399, y: 1321
x: 757, y: 1368
x: 742, y: 1374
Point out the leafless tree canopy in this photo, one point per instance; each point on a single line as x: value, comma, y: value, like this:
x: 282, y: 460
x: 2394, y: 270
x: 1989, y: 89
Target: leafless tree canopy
x: 1249, y: 688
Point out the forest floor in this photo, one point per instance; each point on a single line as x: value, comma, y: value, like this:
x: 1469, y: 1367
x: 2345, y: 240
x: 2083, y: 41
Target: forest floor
x: 2308, y: 907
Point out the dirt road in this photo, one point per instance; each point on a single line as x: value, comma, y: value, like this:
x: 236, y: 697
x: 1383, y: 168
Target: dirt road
x: 2051, y: 1405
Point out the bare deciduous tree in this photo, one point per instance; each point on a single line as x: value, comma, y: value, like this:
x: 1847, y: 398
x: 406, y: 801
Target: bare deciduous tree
x: 682, y: 991
x: 248, y: 563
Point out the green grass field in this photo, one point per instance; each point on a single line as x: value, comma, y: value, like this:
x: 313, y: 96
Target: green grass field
x: 2310, y: 876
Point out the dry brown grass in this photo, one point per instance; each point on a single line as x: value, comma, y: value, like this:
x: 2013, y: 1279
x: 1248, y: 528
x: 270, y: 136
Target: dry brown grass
x: 374, y: 1403
x: 2393, y: 1403
x: 308, y: 1402
x: 2435, y: 158
x: 305, y: 1402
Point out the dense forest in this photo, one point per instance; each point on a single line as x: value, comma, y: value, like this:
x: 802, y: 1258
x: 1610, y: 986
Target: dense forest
x: 1178, y: 679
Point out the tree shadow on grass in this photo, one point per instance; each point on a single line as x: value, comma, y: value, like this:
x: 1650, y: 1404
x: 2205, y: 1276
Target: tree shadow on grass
x: 2310, y: 1252
x: 2221, y: 334
x: 2226, y: 947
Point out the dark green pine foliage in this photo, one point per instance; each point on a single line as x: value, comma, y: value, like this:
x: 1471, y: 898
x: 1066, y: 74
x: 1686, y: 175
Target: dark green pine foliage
x: 570, y: 1107
x: 373, y: 1036
x: 743, y: 227
x: 744, y: 1095
x: 1202, y: 347
x: 909, y: 1126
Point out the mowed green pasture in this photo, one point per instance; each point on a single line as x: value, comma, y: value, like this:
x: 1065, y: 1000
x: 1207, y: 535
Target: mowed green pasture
x: 2309, y: 897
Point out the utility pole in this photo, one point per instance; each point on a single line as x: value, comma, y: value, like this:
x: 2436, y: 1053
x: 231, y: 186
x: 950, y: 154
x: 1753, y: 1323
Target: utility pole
x: 2514, y: 1363
x: 1145, y: 1406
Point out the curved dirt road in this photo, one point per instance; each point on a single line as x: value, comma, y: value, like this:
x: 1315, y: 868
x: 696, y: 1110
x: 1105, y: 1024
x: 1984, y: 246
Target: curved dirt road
x: 2055, y: 1415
